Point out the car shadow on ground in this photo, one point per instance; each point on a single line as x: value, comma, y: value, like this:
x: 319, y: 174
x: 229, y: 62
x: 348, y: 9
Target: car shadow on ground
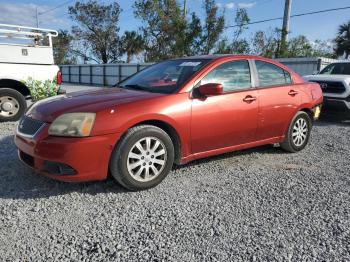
x: 17, y: 181
x: 265, y: 149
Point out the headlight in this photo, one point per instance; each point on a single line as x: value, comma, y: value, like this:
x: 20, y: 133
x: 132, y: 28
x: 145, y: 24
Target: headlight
x: 73, y: 124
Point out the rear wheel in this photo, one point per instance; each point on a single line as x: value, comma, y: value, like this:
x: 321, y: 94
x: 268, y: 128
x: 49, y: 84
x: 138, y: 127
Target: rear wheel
x: 12, y: 105
x: 143, y: 157
x: 298, y: 133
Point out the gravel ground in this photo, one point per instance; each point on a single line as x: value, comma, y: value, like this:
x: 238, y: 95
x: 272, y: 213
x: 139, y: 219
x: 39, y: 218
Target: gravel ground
x: 255, y: 205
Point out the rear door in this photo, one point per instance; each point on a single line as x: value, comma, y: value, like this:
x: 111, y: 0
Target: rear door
x: 228, y: 119
x: 278, y: 99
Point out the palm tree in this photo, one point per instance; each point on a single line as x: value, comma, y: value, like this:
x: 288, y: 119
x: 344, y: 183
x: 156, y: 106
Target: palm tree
x: 132, y: 44
x: 343, y: 40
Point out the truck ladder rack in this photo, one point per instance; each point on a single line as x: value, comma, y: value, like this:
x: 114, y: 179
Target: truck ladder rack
x: 25, y: 33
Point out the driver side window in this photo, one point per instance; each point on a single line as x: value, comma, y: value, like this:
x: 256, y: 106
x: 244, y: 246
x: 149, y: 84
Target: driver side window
x: 233, y: 75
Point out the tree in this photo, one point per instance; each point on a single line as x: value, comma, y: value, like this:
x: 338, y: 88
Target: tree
x: 241, y: 22
x: 266, y: 43
x: 323, y: 48
x: 342, y: 40
x: 166, y: 31
x: 97, y: 30
x: 61, y: 48
x: 222, y: 47
x: 299, y: 47
x: 192, y: 40
x: 132, y: 44
x: 238, y: 45
x: 213, y: 26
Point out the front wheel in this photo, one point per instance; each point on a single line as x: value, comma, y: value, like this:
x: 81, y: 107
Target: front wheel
x: 12, y: 105
x: 298, y: 133
x: 143, y: 157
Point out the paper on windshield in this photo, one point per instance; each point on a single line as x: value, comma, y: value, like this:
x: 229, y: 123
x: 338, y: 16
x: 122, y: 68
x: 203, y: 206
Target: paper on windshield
x: 190, y: 64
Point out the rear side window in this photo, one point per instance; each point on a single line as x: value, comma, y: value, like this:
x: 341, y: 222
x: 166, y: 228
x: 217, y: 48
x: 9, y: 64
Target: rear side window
x: 271, y: 75
x: 234, y: 75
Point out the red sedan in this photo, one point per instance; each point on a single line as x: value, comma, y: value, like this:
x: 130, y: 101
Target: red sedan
x: 172, y: 112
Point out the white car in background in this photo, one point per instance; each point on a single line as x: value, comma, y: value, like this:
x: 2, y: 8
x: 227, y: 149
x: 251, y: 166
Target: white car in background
x: 334, y: 80
x: 25, y: 52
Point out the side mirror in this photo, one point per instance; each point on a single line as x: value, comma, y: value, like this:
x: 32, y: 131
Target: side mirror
x: 211, y: 89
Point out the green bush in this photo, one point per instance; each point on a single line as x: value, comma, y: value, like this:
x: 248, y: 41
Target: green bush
x: 41, y: 89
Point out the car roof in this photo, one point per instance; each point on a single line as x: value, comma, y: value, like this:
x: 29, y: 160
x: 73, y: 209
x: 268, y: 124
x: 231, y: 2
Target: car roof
x: 218, y: 56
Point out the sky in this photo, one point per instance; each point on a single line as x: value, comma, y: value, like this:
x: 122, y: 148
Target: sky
x: 320, y: 26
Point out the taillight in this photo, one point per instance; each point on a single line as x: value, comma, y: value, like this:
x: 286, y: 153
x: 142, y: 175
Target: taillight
x: 59, y: 78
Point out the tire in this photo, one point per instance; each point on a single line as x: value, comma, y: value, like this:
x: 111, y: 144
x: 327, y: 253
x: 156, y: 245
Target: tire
x: 301, y: 125
x: 129, y: 162
x: 12, y: 105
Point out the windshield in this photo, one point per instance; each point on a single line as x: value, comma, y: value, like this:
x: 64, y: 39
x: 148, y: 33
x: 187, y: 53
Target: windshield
x: 165, y: 77
x: 336, y: 69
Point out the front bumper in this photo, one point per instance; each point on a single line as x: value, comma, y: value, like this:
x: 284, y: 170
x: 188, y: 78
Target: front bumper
x: 67, y: 159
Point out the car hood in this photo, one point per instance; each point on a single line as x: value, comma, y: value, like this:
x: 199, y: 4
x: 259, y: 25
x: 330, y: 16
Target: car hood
x: 85, y: 101
x: 326, y: 77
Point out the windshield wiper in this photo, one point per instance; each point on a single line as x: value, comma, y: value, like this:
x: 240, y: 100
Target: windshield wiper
x: 137, y: 87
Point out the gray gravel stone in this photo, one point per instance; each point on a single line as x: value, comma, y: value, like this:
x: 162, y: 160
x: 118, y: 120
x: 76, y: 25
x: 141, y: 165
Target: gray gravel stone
x: 255, y: 205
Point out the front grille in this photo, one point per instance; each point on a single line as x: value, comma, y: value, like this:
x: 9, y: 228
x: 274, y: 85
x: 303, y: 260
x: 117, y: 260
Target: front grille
x: 331, y: 87
x: 29, y: 126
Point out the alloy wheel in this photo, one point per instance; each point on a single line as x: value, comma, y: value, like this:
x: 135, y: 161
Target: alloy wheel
x: 300, y: 132
x: 146, y: 159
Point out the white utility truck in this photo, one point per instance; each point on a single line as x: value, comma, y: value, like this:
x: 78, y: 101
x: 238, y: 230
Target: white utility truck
x: 25, y: 52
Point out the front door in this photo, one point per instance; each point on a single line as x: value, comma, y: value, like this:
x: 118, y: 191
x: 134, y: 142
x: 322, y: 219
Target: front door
x: 228, y: 119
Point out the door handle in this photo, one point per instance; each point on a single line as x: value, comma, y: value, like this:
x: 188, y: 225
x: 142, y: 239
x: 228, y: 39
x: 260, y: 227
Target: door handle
x: 292, y: 92
x: 249, y: 99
